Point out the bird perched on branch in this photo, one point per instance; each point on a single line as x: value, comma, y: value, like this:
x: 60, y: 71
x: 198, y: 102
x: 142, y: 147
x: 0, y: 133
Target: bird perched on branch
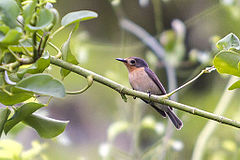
x: 143, y: 79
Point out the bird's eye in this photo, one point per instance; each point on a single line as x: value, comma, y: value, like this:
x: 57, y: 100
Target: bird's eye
x: 132, y: 61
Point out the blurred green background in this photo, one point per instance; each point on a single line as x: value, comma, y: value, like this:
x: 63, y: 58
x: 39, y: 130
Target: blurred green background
x: 99, y: 114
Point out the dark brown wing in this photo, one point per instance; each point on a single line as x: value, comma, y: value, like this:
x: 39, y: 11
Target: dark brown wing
x: 155, y: 79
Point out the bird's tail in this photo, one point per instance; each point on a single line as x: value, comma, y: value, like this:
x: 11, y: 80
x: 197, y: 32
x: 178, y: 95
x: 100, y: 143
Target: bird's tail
x: 175, y: 120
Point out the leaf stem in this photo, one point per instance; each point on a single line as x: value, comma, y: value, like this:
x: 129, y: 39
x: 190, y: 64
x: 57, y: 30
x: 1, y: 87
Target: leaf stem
x: 59, y: 53
x: 58, y: 30
x: 89, y: 81
x: 26, y: 50
x: 14, y: 55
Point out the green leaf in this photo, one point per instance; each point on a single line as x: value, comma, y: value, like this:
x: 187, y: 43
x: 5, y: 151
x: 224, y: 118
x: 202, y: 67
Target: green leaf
x: 67, y: 56
x: 78, y: 16
x: 18, y: 48
x: 38, y: 67
x: 235, y: 85
x: 45, y: 18
x: 8, y: 58
x: 28, y: 11
x: 4, y: 29
x: 228, y: 42
x: 124, y: 97
x: 20, y: 114
x: 42, y: 84
x: 46, y: 127
x: 17, y: 96
x: 227, y: 62
x: 9, y: 11
x: 4, y: 113
x: 11, y: 38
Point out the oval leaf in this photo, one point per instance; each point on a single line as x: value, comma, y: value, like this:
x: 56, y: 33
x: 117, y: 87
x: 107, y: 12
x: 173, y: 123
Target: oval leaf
x: 20, y: 114
x: 11, y: 38
x: 38, y: 67
x: 46, y: 127
x: 17, y: 96
x: 228, y: 42
x: 42, y: 84
x: 67, y: 56
x: 28, y: 11
x: 9, y: 11
x: 45, y: 18
x: 235, y: 85
x: 4, y: 113
x: 227, y: 62
x: 78, y: 16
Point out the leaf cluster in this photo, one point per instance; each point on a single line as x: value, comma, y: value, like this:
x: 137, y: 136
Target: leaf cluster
x: 26, y: 28
x: 227, y: 60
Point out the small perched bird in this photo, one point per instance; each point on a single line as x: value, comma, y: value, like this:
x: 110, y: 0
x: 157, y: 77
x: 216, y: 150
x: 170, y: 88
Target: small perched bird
x: 143, y: 79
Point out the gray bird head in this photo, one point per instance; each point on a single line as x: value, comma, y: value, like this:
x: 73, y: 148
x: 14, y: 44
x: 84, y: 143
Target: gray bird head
x: 133, y: 62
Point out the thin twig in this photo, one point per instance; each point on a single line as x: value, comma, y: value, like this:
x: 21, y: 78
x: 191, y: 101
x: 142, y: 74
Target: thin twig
x: 206, y: 70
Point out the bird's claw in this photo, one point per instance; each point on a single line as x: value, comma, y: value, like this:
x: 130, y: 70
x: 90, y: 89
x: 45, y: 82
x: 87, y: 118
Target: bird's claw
x: 149, y: 96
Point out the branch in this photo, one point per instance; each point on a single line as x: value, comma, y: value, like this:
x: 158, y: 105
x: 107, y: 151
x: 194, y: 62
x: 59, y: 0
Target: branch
x: 159, y: 99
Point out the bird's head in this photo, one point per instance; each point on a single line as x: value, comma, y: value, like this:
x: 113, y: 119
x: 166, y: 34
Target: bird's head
x: 133, y: 63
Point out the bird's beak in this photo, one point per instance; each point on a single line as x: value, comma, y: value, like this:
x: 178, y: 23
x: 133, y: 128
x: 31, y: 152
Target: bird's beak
x: 122, y: 60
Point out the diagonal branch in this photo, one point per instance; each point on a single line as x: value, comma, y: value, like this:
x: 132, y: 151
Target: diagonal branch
x: 159, y: 99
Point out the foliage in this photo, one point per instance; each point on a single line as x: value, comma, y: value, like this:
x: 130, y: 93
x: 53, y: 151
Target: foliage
x: 228, y: 59
x: 25, y: 30
x: 11, y: 150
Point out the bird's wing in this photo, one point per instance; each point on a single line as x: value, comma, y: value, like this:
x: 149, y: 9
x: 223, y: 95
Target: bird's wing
x: 155, y: 79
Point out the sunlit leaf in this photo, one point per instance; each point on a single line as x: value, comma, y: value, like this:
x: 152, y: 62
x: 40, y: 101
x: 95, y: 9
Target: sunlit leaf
x: 4, y: 29
x: 11, y: 38
x: 17, y: 96
x: 46, y: 127
x: 67, y: 56
x: 9, y: 11
x: 10, y: 149
x: 235, y: 85
x: 42, y: 84
x: 35, y: 151
x: 28, y: 11
x: 78, y: 16
x: 228, y: 42
x: 4, y: 113
x: 227, y: 62
x: 20, y: 114
x: 45, y: 18
x: 38, y: 67
x: 18, y: 48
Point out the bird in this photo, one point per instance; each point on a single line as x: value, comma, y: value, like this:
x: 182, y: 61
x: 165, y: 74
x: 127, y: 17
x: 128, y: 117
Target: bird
x: 143, y: 79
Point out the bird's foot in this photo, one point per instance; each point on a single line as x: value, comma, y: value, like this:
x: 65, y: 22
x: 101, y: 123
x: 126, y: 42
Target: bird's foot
x: 149, y: 96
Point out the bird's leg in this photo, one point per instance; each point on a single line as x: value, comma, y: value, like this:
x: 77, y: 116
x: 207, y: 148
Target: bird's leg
x: 134, y: 97
x: 149, y: 95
